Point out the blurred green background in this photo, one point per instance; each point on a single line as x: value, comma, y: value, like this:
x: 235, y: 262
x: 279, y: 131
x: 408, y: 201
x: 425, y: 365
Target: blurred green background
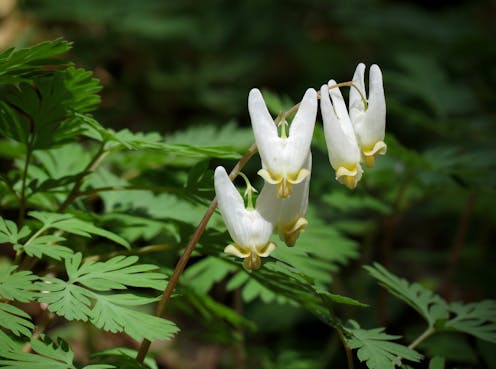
x: 427, y: 211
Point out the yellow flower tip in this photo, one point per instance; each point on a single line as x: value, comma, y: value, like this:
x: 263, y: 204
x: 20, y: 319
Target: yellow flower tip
x: 299, y: 177
x: 268, y: 177
x: 237, y: 250
x: 290, y: 234
x: 252, y: 262
x: 349, y: 177
x: 369, y: 161
x: 284, y: 189
x: 369, y: 154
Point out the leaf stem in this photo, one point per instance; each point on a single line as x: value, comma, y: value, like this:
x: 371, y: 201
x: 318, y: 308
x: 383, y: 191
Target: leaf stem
x: 92, y: 165
x: 349, y: 354
x: 426, y: 334
x: 183, y: 261
x: 22, y: 205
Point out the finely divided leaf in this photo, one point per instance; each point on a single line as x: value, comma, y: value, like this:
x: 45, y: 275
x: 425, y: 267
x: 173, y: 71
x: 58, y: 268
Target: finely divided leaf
x: 22, y: 64
x: 376, y: 349
x: 45, y: 356
x: 71, y: 224
x: 15, y: 320
x: 87, y: 296
x: 10, y: 233
x: 17, y: 285
x: 477, y: 319
x: 432, y: 307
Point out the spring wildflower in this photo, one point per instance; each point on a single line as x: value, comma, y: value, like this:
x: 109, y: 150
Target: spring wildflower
x: 248, y: 229
x: 283, y: 156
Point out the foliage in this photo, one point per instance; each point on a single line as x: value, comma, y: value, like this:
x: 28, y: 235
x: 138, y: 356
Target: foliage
x: 80, y: 199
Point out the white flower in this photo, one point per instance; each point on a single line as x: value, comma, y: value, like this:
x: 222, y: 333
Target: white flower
x: 369, y: 117
x: 248, y: 229
x: 287, y: 215
x: 283, y: 157
x: 342, y: 146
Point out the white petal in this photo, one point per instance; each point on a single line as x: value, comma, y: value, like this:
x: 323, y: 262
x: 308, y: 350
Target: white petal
x: 340, y: 139
x: 264, y: 129
x: 376, y: 112
x: 356, y: 103
x: 301, y: 129
x: 230, y: 203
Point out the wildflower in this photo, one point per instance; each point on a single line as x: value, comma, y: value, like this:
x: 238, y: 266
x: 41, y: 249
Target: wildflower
x: 283, y: 157
x: 342, y: 145
x: 368, y: 115
x: 248, y: 229
x: 287, y: 215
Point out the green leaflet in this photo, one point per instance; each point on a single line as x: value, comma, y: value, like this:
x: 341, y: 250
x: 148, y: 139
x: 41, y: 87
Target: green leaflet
x: 22, y: 65
x: 17, y: 285
x: 477, y: 319
x: 71, y: 224
x: 85, y: 296
x: 374, y: 347
x: 424, y: 301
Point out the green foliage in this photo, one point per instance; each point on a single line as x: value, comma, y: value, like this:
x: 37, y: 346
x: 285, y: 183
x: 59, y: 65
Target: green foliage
x: 477, y: 319
x: 84, y: 296
x: 376, y: 349
x: 21, y: 65
x: 425, y: 302
x: 45, y: 355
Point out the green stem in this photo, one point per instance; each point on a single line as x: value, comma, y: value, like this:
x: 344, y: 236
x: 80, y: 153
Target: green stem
x: 22, y: 205
x: 92, y: 165
x: 426, y: 334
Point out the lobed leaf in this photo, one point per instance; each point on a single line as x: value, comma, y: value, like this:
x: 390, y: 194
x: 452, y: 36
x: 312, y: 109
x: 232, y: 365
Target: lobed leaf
x: 477, y: 319
x: 432, y: 307
x: 17, y: 285
x: 374, y: 347
x: 15, y: 320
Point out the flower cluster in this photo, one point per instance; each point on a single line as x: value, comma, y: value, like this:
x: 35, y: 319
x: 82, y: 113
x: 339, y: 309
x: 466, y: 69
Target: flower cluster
x: 352, y: 138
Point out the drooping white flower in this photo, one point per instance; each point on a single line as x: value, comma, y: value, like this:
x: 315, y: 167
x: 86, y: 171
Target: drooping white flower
x: 369, y: 117
x: 287, y: 215
x: 248, y: 229
x: 342, y: 145
x: 283, y: 157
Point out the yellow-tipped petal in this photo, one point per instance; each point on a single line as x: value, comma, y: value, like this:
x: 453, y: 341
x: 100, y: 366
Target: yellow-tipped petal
x: 266, y: 250
x: 291, y: 233
x: 300, y: 176
x: 267, y: 176
x: 349, y: 177
x: 237, y: 250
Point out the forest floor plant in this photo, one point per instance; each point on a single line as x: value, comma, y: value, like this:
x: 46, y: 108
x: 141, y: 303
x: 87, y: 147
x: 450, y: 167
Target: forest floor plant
x: 78, y: 203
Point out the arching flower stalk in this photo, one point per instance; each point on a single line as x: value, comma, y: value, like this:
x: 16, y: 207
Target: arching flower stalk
x: 249, y: 230
x: 368, y: 117
x: 283, y: 157
x: 342, y: 145
x: 287, y: 215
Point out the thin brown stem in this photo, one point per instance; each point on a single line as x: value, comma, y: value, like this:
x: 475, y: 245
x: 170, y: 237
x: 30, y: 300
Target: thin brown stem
x: 349, y: 353
x: 183, y: 261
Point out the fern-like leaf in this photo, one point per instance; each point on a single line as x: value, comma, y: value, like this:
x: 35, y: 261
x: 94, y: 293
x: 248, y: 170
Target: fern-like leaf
x: 477, y: 319
x: 87, y: 296
x: 15, y: 320
x: 432, y: 307
x: 17, y: 285
x: 71, y: 224
x: 376, y: 349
